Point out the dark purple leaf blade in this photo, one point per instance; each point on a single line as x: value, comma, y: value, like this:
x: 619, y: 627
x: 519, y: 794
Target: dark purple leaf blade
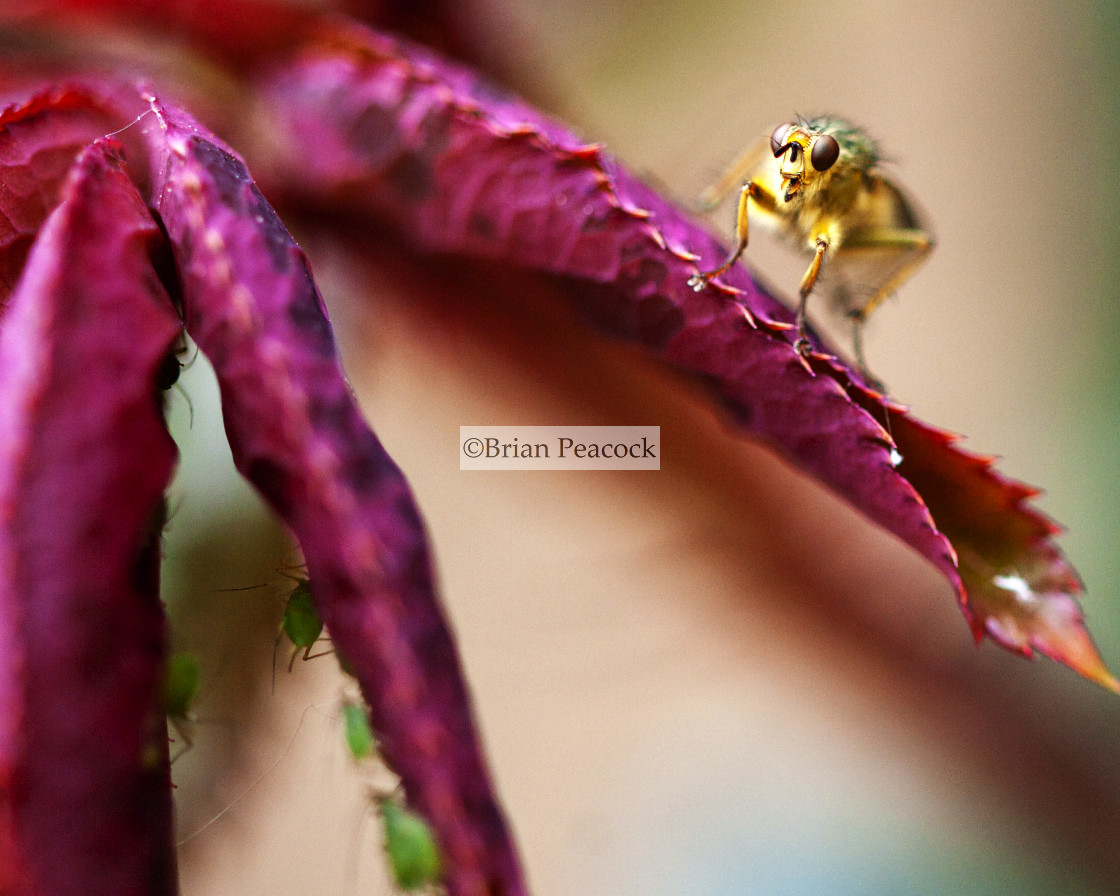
x: 244, y: 32
x: 456, y: 166
x: 85, y: 804
x: 296, y: 433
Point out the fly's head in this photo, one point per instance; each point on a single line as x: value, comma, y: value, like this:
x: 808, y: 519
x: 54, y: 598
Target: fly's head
x: 806, y: 158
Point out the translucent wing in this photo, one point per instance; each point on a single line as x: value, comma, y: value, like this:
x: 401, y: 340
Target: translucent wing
x: 736, y: 174
x: 886, y: 239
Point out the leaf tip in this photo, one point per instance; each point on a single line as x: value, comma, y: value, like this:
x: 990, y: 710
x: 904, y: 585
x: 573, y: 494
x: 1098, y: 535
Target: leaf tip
x: 1039, y: 612
x: 1081, y: 655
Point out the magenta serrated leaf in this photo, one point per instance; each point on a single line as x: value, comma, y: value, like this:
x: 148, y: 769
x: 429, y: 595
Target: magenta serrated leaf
x: 457, y: 166
x: 84, y: 460
x: 1019, y: 588
x: 297, y: 434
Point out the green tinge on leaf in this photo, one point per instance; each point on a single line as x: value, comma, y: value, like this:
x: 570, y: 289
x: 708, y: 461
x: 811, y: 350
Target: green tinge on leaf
x: 411, y: 847
x: 1026, y: 608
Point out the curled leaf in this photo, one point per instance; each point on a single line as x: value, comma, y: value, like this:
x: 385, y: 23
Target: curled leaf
x: 296, y: 433
x: 84, y: 460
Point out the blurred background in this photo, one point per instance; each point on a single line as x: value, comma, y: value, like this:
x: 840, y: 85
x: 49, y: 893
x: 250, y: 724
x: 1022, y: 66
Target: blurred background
x: 718, y: 679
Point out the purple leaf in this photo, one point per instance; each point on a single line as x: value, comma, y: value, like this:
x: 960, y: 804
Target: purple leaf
x: 459, y: 167
x: 297, y: 434
x: 85, y: 805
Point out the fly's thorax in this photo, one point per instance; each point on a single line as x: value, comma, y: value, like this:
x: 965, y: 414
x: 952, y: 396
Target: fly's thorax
x: 820, y: 208
x: 839, y: 191
x: 881, y: 203
x: 858, y: 151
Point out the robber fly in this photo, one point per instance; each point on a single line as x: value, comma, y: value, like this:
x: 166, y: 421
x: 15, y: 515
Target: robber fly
x: 818, y: 184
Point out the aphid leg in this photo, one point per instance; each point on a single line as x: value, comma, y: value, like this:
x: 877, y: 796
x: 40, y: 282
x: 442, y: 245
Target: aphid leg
x: 751, y: 191
x: 187, y: 741
x: 307, y: 654
x: 807, y: 284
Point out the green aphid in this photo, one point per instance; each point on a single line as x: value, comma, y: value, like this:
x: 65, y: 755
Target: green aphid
x: 180, y: 686
x: 180, y: 689
x: 301, y: 623
x: 411, y: 847
x: 359, y: 734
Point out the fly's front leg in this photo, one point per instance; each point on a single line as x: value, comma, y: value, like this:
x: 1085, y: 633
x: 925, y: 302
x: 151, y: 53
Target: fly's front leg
x: 807, y: 284
x: 751, y: 192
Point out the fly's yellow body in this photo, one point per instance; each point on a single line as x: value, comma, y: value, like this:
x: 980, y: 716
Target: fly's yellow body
x: 818, y: 183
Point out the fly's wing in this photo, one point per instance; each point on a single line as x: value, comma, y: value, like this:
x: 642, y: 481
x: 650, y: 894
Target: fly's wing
x: 737, y: 174
x: 885, y: 241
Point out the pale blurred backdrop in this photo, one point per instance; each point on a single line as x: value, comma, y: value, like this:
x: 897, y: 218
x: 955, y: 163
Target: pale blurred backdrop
x: 718, y: 679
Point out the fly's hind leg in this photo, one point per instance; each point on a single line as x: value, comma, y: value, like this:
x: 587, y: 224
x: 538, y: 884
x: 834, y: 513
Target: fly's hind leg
x: 910, y: 246
x: 858, y: 321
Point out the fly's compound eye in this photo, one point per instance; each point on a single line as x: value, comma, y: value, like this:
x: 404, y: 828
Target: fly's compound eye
x: 778, y: 139
x: 825, y: 152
